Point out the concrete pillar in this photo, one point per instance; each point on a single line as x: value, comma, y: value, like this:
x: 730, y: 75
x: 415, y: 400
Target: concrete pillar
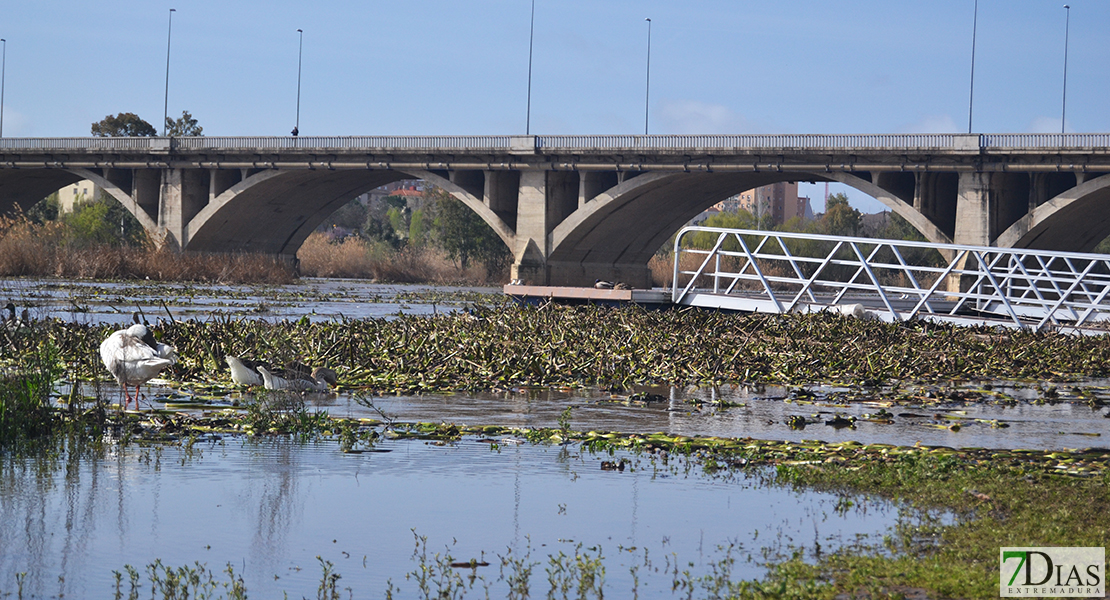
x: 221, y: 180
x: 562, y: 196
x: 501, y: 191
x: 184, y: 193
x: 471, y: 181
x: 593, y: 183
x: 901, y: 184
x: 988, y: 203
x: 530, y: 255
x: 145, y: 186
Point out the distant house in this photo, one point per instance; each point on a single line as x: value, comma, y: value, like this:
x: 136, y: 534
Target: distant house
x: 705, y: 214
x: 408, y: 188
x: 77, y: 192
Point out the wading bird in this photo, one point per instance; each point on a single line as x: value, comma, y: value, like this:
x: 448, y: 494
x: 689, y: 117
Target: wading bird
x: 134, y: 357
x: 320, y: 380
x: 243, y: 371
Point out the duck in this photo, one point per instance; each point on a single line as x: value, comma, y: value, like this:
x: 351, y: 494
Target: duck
x: 320, y: 380
x: 134, y: 357
x: 603, y: 285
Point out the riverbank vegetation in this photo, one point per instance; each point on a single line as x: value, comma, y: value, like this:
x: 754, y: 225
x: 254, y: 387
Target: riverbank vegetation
x: 429, y: 238
x: 511, y: 345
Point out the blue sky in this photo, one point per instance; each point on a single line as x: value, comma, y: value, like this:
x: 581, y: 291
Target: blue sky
x: 424, y: 67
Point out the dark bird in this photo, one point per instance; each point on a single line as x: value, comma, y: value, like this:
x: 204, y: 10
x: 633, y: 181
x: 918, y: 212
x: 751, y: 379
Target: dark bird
x: 320, y: 380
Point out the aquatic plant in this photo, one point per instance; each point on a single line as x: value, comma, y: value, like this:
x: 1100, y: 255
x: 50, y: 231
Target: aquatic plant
x: 282, y: 412
x: 181, y: 583
x: 25, y: 388
x: 512, y: 346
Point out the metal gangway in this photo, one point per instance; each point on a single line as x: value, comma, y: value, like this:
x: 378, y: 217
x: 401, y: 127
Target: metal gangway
x: 891, y: 280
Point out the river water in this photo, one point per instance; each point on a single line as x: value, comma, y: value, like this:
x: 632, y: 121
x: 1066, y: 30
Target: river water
x: 269, y: 508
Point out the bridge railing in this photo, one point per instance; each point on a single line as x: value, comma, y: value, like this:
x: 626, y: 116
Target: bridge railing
x: 1019, y: 141
x: 371, y: 143
x: 894, y: 280
x: 746, y: 142
x: 577, y: 143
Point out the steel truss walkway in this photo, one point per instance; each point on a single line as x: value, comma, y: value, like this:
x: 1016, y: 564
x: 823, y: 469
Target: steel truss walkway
x: 892, y: 280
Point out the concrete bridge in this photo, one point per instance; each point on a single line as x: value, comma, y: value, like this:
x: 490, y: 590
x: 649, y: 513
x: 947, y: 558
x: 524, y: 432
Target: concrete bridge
x: 576, y: 208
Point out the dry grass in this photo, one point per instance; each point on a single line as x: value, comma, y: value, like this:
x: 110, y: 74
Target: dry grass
x: 32, y: 250
x: 357, y: 258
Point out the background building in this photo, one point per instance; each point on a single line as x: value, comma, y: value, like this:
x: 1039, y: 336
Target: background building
x: 780, y: 201
x: 76, y: 192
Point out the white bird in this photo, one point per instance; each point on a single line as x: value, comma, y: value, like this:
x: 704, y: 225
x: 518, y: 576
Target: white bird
x: 320, y: 381
x: 134, y: 357
x: 243, y: 373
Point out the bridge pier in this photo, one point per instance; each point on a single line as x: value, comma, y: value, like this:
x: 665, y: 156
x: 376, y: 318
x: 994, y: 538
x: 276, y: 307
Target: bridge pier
x: 184, y: 193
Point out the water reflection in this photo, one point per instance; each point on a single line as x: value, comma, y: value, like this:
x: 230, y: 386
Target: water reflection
x: 68, y: 519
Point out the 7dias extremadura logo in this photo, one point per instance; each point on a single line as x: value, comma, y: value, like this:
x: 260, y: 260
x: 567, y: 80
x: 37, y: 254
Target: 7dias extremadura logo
x: 1048, y: 571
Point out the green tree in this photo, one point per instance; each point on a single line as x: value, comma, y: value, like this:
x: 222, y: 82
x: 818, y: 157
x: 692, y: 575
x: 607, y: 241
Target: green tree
x: 398, y: 221
x: 418, y: 227
x: 45, y: 210
x: 183, y: 127
x: 102, y: 221
x: 840, y: 218
x: 123, y: 125
x: 464, y: 235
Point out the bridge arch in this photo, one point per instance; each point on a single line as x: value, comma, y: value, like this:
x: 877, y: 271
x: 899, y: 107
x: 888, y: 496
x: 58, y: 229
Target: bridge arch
x: 274, y: 211
x: 125, y: 199
x: 627, y: 224
x: 27, y: 187
x: 1075, y: 220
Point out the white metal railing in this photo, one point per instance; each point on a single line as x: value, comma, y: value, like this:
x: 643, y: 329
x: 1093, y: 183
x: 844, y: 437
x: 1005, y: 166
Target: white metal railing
x: 578, y: 143
x: 894, y: 280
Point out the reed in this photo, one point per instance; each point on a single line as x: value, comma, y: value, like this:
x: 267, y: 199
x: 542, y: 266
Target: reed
x: 358, y: 258
x: 27, y: 249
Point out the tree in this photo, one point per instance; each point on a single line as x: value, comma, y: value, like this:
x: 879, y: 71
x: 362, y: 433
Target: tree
x: 840, y: 218
x: 464, y: 235
x: 183, y: 127
x: 102, y: 221
x: 123, y: 125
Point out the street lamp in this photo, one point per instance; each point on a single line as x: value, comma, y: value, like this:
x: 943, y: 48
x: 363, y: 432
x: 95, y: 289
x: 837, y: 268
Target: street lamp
x: 647, y: 85
x: 300, y: 49
x: 166, y: 107
x: 1064, y: 108
x: 971, y: 99
x: 531, y: 36
x: 3, y: 69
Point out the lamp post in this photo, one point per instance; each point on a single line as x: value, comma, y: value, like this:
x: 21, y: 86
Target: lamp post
x: 3, y: 69
x: 531, y: 37
x: 166, y: 107
x: 300, y: 49
x: 1064, y: 104
x: 971, y: 98
x: 647, y: 84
